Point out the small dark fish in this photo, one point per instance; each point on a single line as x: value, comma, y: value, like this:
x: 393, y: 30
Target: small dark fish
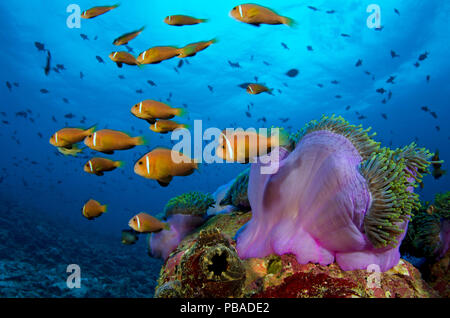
x: 44, y: 91
x: 423, y: 56
x: 433, y: 114
x: 263, y: 119
x: 151, y: 83
x: 81, y: 75
x: 139, y: 91
x: 345, y: 35
x: 417, y: 64
x: 394, y: 54
x: 130, y: 49
x: 425, y: 108
x: 396, y: 11
x: 69, y: 116
x: 284, y: 119
x: 358, y: 63
x: 84, y: 36
x: 292, y: 72
x: 266, y: 63
x: 3, y: 114
x: 334, y: 82
x: 129, y: 237
x: 338, y: 96
x: 256, y: 78
x: 65, y: 100
x: 121, y: 77
x: 284, y: 45
x: 381, y: 90
x: 309, y: 48
x: 22, y: 114
x: 438, y: 128
x: 39, y: 46
x: 176, y: 70
x: 211, y: 88
x: 234, y: 65
x: 313, y: 8
x: 380, y: 28
x: 96, y: 38
x: 16, y: 84
x: 8, y: 84
x: 47, y: 67
x: 330, y: 11
x: 39, y: 134
x: 56, y: 70
x: 180, y: 64
x: 390, y: 80
x: 60, y: 67
x: 384, y: 116
x: 248, y: 114
x: 5, y: 122
x: 367, y: 73
x: 428, y: 78
x: 389, y: 95
x: 362, y: 117
x: 99, y: 59
x: 54, y: 119
x: 347, y: 107
x: 320, y: 85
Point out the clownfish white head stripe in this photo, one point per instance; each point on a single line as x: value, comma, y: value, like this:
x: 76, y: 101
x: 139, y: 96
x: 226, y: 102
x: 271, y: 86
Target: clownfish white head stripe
x: 240, y: 11
x: 90, y: 166
x: 56, y: 138
x: 143, y: 55
x: 251, y: 89
x: 147, y: 161
x: 115, y: 54
x: 84, y: 210
x: 156, y: 124
x: 138, y: 222
x: 170, y: 18
x: 140, y: 108
x: 95, y: 139
x: 229, y: 148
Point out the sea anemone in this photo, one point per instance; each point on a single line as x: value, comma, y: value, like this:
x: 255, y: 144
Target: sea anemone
x: 237, y: 193
x: 336, y: 196
x: 218, y: 196
x: 162, y: 243
x: 428, y: 232
x: 191, y: 203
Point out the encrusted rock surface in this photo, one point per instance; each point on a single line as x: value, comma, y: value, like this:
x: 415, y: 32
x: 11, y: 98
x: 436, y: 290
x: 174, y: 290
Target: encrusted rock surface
x: 205, y: 264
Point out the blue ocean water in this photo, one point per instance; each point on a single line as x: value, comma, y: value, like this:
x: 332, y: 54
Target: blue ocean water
x: 42, y: 192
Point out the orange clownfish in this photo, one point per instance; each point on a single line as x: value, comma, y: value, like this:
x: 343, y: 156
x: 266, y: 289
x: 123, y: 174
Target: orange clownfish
x: 66, y: 137
x: 93, y: 209
x: 123, y: 57
x: 127, y: 37
x: 163, y: 164
x: 145, y: 223
x: 255, y: 89
x: 99, y: 165
x: 96, y: 11
x: 150, y: 110
x: 180, y: 20
x: 255, y: 15
x: 241, y: 146
x: 158, y: 54
x: 107, y: 141
x: 163, y: 126
x: 193, y: 48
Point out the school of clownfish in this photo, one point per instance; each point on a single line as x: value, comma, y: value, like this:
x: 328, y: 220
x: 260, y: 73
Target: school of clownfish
x: 158, y: 163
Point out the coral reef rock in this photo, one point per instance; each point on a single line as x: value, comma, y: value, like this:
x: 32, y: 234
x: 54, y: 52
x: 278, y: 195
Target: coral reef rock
x: 205, y: 264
